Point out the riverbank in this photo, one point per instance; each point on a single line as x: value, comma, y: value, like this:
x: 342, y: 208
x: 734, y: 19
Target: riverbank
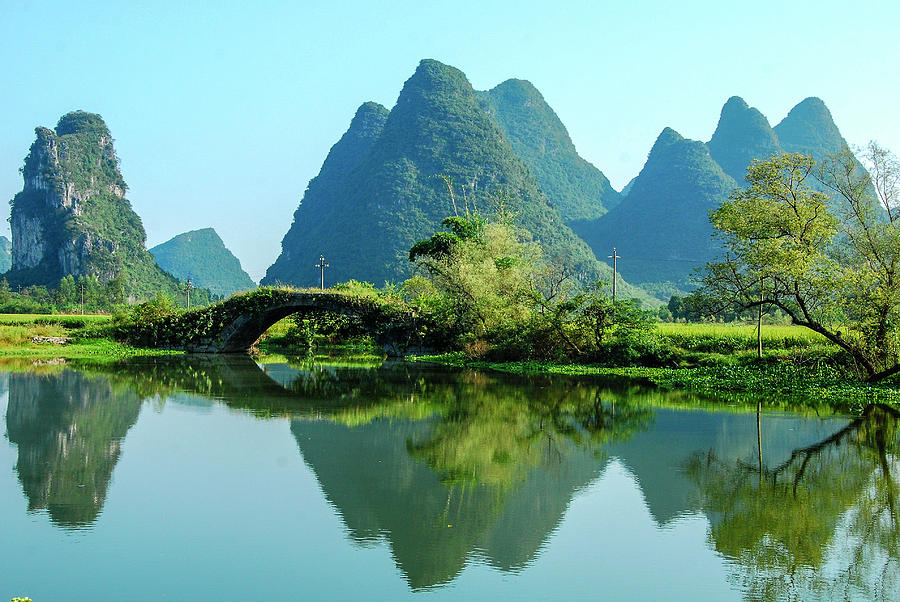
x: 51, y: 336
x: 773, y: 385
x: 711, y: 359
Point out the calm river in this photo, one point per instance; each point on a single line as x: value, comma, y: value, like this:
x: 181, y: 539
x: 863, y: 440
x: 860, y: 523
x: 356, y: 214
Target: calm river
x: 226, y: 479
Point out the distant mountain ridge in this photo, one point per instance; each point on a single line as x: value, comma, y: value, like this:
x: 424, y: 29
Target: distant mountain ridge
x: 201, y: 256
x: 743, y: 134
x: 5, y: 254
x: 661, y: 229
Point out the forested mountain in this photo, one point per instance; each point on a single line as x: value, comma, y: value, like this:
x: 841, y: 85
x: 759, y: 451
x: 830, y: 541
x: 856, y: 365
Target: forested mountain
x: 390, y: 194
x: 809, y: 129
x: 315, y: 220
x: 574, y: 186
x: 743, y: 134
x: 202, y: 256
x: 72, y: 217
x: 5, y: 254
x: 661, y: 229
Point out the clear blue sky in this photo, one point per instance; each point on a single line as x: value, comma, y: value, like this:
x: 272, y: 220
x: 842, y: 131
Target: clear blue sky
x: 223, y: 111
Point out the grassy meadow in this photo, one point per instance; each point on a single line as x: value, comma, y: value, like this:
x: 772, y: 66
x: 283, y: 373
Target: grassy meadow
x: 86, y: 337
x: 729, y: 344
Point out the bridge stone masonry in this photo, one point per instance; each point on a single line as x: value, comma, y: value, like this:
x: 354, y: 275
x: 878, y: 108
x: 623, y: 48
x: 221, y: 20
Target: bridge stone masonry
x: 234, y: 325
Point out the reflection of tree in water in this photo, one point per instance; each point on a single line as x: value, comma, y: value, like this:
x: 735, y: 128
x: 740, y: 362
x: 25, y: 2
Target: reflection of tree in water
x: 273, y: 390
x: 822, y: 523
x: 490, y: 474
x: 68, y: 428
x: 498, y: 439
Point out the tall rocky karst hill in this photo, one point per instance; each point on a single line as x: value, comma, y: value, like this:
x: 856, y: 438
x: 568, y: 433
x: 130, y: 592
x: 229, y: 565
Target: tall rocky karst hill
x: 810, y: 129
x: 574, y: 186
x: 743, y: 134
x: 367, y: 219
x: 661, y: 229
x: 315, y: 218
x: 72, y: 217
x: 201, y: 256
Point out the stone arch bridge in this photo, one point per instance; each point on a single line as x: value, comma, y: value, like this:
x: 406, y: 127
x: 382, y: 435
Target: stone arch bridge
x: 234, y: 325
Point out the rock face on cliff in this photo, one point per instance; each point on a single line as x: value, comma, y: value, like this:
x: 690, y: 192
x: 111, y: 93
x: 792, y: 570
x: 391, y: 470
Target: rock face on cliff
x: 202, y: 256
x: 5, y: 254
x: 72, y: 217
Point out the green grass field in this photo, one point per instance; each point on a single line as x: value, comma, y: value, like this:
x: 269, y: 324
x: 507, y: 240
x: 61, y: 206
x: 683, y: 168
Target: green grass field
x: 17, y: 330
x: 701, y: 337
x: 66, y: 320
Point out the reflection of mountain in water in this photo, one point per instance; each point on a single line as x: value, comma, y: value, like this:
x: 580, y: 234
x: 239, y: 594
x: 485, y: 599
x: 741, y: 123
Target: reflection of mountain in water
x: 447, y: 467
x: 68, y: 428
x: 488, y: 472
x: 368, y: 474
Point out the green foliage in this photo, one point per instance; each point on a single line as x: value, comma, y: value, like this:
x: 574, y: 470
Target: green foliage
x: 485, y: 275
x: 831, y: 271
x: 492, y: 294
x: 160, y: 307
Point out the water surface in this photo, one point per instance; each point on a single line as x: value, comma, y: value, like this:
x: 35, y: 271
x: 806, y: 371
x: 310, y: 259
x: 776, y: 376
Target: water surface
x: 213, y: 478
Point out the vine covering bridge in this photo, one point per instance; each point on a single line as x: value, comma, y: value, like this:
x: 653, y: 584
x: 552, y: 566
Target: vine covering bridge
x: 234, y: 325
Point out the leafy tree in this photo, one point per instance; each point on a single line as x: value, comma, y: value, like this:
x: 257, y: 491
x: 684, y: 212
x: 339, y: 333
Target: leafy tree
x: 162, y: 305
x: 483, y: 270
x: 829, y: 264
x: 490, y: 287
x: 67, y: 292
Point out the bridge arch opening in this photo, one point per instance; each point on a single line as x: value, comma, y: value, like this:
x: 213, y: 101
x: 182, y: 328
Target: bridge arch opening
x: 237, y: 324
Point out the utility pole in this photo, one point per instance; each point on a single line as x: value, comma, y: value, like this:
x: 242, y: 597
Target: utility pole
x: 322, y: 265
x: 614, y: 257
x: 759, y: 321
x: 189, y: 292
